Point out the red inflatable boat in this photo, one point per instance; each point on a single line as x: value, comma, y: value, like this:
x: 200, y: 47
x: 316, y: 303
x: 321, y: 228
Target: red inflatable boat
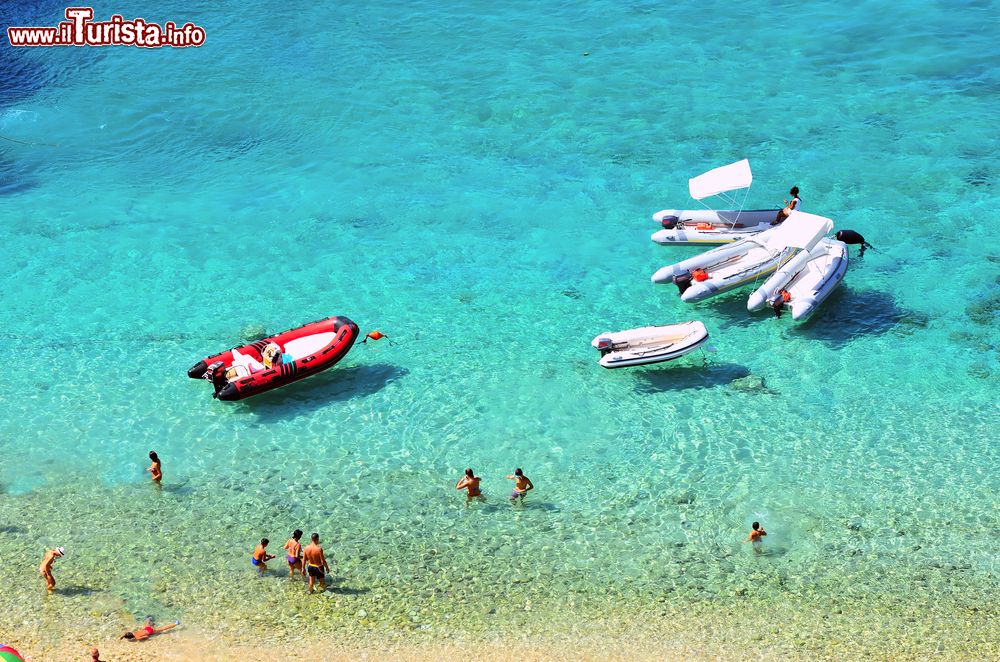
x: 278, y: 360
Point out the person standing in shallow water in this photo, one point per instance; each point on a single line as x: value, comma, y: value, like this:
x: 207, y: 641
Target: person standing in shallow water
x: 45, y: 570
x: 260, y: 556
x: 293, y: 554
x: 470, y: 483
x: 756, y: 533
x: 155, y: 467
x: 794, y: 204
x: 316, y: 565
x: 522, y: 485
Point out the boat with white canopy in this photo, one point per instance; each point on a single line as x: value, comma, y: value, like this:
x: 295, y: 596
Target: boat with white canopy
x: 727, y: 267
x: 715, y: 226
x: 803, y: 282
x: 649, y: 344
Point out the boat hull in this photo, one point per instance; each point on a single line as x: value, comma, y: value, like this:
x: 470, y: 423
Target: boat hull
x: 710, y: 226
x: 649, y: 345
x: 808, y: 279
x: 312, y: 348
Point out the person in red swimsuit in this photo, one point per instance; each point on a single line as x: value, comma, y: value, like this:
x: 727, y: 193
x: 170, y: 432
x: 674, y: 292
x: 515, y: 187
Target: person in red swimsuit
x: 148, y: 630
x: 755, y: 536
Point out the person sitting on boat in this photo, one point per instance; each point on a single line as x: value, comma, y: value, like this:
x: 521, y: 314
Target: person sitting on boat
x: 794, y: 204
x: 271, y: 355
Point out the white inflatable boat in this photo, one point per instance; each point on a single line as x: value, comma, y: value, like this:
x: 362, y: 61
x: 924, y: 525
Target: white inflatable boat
x: 714, y: 226
x: 803, y: 282
x: 650, y: 344
x: 710, y: 226
x: 727, y: 267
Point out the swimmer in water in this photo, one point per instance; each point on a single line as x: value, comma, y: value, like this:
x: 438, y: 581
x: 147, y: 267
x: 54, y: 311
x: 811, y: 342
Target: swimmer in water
x: 260, y: 556
x: 45, y: 570
x: 755, y: 536
x: 155, y: 467
x: 147, y: 631
x: 470, y: 483
x: 293, y: 554
x: 522, y: 485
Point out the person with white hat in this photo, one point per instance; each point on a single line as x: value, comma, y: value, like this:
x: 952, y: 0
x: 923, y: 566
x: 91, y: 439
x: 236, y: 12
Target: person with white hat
x: 45, y: 570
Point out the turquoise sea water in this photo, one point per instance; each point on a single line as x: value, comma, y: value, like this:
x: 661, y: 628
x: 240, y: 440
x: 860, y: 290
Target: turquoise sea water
x: 476, y: 182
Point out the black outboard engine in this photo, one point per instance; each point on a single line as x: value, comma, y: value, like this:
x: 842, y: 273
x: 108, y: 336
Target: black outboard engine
x: 777, y: 305
x: 851, y: 237
x: 683, y: 281
x: 605, y: 346
x: 216, y: 373
x: 669, y: 222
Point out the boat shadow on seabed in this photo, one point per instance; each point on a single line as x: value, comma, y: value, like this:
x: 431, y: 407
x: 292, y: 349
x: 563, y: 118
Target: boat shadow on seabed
x: 679, y: 378
x: 850, y: 314
x: 308, y: 395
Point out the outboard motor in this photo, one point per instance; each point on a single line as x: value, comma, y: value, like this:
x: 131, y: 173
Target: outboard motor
x: 605, y: 346
x: 669, y: 222
x: 216, y: 373
x: 682, y: 281
x: 779, y: 300
x: 851, y: 237
x: 777, y: 304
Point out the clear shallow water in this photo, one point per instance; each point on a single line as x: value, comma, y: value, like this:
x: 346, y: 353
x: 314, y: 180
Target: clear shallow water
x: 472, y: 184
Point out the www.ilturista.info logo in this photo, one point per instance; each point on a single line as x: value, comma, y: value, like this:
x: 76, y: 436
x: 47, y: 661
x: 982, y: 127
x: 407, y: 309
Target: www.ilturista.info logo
x: 80, y: 30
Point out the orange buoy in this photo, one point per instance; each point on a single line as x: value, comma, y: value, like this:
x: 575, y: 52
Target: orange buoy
x: 699, y: 275
x: 375, y: 335
x: 704, y: 226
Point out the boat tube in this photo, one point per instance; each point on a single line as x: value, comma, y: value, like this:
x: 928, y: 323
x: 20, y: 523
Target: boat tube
x: 710, y: 226
x: 727, y: 267
x: 650, y: 344
x: 281, y: 359
x: 804, y: 282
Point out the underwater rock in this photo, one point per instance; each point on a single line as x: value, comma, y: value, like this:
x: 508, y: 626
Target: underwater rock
x: 979, y: 371
x: 750, y: 384
x: 252, y: 332
x: 684, y: 498
x: 985, y: 310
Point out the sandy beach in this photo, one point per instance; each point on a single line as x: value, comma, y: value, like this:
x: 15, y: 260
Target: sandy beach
x: 743, y: 630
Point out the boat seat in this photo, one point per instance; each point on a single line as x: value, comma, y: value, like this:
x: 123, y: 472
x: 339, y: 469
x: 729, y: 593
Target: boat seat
x: 235, y: 372
x: 247, y: 361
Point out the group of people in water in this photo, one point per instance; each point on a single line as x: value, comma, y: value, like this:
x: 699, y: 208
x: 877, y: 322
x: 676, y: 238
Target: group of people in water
x: 470, y: 483
x: 307, y: 561
x: 310, y: 561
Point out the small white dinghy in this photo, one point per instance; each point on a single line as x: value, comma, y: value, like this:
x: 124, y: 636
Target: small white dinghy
x: 727, y: 267
x: 714, y: 226
x: 804, y: 282
x: 650, y: 344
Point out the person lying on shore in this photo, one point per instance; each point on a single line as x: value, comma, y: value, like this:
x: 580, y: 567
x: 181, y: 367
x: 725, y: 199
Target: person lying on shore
x: 316, y: 565
x: 147, y: 631
x: 293, y: 554
x: 45, y: 570
x: 470, y: 483
x: 522, y: 485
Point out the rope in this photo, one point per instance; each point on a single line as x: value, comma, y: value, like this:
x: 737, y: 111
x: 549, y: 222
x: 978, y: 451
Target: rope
x: 30, y: 144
